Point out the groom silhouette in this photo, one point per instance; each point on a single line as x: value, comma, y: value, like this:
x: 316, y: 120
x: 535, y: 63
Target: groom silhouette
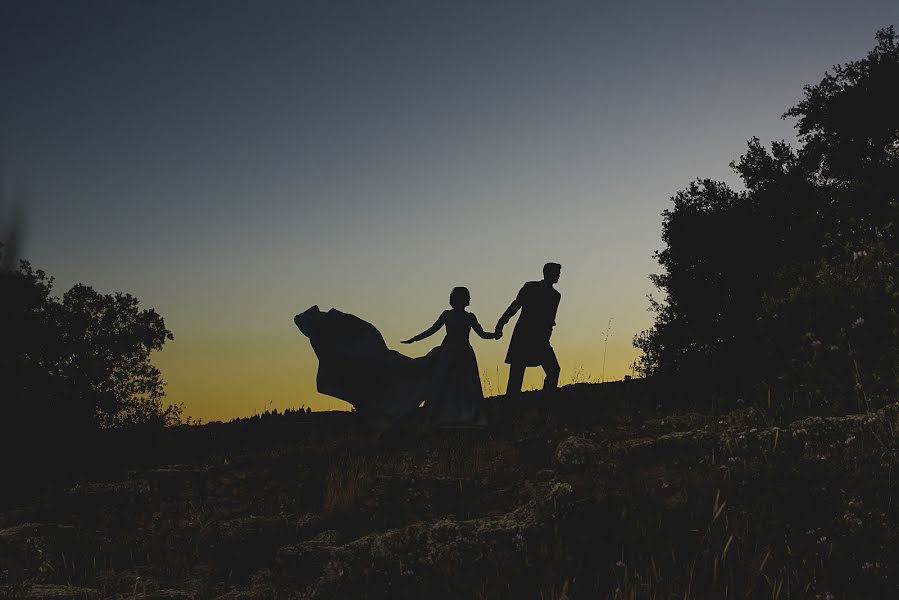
x: 538, y: 302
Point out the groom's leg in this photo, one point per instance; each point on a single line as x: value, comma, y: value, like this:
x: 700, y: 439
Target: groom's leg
x: 516, y: 377
x: 552, y: 370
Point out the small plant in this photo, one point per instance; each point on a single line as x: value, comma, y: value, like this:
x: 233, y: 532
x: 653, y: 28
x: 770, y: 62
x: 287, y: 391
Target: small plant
x: 605, y: 348
x: 345, y: 485
x: 579, y: 375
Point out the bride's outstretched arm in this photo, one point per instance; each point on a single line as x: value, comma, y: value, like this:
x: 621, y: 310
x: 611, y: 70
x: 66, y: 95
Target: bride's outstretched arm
x: 427, y: 332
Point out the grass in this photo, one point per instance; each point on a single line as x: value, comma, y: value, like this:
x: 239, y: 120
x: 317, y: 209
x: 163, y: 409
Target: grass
x: 457, y: 457
x: 345, y: 485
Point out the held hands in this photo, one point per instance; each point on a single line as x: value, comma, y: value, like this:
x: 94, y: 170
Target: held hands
x: 498, y: 333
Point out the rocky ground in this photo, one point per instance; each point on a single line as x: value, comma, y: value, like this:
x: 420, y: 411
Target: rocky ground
x: 593, y: 491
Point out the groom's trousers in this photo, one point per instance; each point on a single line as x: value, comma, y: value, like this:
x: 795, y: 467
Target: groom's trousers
x: 550, y: 367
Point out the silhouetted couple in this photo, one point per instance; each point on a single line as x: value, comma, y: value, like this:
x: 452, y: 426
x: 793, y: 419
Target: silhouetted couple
x: 355, y: 364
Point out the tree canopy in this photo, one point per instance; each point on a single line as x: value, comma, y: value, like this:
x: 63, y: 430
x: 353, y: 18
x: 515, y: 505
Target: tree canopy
x: 791, y: 282
x: 79, y: 362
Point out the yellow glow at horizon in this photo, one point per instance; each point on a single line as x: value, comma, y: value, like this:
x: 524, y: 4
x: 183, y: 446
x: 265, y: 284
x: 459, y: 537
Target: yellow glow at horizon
x: 222, y: 377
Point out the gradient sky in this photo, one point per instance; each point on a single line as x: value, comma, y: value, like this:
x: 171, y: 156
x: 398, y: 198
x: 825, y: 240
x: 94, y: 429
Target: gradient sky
x: 233, y: 163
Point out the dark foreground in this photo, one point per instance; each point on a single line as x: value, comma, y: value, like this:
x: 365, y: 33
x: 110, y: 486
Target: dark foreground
x: 591, y: 492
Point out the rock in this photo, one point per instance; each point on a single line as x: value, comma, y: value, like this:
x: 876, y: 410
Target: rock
x: 302, y: 562
x: 101, y: 491
x: 239, y: 546
x: 331, y: 537
x: 309, y: 525
x: 396, y: 501
x: 439, y: 557
x: 55, y: 592
x: 34, y: 550
x: 545, y: 475
x: 162, y: 595
x: 176, y: 482
x: 576, y: 451
x: 435, y: 551
x: 239, y: 595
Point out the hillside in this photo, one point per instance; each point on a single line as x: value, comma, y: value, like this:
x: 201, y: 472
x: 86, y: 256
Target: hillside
x: 593, y: 491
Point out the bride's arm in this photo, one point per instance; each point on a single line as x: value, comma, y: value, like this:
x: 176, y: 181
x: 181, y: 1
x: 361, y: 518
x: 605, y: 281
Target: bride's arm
x: 427, y: 332
x: 480, y: 330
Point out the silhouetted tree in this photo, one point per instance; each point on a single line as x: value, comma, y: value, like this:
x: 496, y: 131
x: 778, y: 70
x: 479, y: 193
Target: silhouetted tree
x: 759, y: 283
x: 78, y: 363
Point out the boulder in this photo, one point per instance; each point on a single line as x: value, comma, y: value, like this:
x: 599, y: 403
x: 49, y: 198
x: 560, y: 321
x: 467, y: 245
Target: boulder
x: 52, y: 592
x: 442, y: 558
x: 576, y: 451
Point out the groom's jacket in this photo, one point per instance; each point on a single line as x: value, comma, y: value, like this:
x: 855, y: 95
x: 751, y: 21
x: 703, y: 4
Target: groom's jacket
x: 538, y: 302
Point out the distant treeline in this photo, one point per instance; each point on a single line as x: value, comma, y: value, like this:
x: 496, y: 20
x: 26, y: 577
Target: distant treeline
x: 790, y: 286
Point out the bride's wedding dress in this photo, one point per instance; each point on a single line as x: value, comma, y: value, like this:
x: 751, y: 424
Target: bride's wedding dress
x: 356, y: 366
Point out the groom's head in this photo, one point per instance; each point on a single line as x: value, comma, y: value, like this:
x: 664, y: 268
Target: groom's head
x: 551, y: 272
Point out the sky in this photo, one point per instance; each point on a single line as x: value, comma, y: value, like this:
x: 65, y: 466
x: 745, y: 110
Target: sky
x: 233, y: 163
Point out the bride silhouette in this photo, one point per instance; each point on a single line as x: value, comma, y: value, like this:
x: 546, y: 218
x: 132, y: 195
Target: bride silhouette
x: 356, y: 366
x: 454, y: 392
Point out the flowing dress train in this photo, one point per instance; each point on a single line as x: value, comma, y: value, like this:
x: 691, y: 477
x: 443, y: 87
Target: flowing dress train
x: 355, y: 365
